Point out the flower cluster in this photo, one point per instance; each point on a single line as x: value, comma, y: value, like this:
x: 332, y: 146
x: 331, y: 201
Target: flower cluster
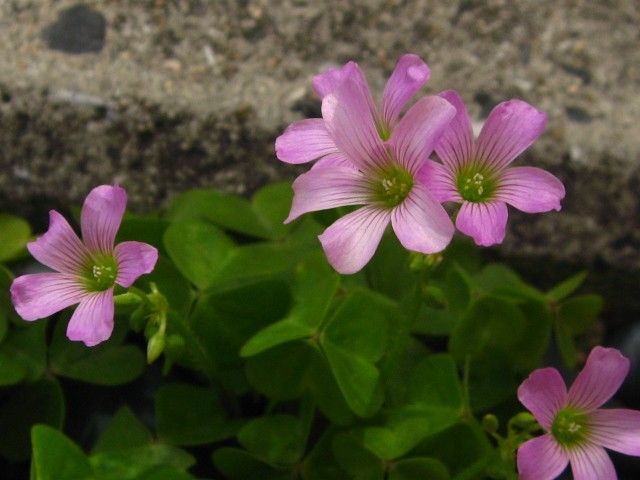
x: 367, y: 154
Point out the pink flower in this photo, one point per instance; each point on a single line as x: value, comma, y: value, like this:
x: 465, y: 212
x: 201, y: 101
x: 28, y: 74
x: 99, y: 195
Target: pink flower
x: 477, y: 173
x: 86, y: 271
x: 369, y: 157
x: 577, y: 430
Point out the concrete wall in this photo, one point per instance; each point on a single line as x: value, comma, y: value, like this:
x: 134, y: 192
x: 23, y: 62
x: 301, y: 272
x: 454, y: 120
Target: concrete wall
x: 185, y: 93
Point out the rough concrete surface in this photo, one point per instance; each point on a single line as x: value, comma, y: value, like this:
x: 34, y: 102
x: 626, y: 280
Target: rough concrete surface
x: 189, y: 93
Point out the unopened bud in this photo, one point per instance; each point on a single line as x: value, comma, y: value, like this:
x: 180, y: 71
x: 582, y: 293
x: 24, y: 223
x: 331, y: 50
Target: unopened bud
x: 490, y: 423
x: 155, y: 347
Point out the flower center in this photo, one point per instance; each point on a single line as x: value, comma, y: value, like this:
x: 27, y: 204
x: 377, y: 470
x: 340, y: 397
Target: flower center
x: 476, y: 184
x: 101, y: 273
x: 570, y: 427
x: 392, y: 186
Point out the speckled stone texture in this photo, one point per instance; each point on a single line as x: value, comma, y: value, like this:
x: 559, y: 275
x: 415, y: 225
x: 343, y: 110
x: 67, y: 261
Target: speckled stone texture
x: 189, y: 93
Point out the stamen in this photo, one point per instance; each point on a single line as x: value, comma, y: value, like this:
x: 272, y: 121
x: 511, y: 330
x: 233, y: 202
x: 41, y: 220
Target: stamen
x: 474, y: 185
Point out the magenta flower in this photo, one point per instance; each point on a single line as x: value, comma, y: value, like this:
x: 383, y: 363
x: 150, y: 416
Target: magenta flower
x: 477, y: 173
x: 577, y: 430
x: 370, y: 158
x: 86, y: 271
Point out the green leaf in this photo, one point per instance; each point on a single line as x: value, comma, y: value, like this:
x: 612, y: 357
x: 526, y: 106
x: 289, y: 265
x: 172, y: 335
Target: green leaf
x: 23, y: 407
x: 566, y: 345
x: 401, y: 429
x: 327, y: 393
x: 237, y: 464
x: 112, y: 366
x: 360, y: 325
x: 198, y: 250
x: 498, y: 279
x: 276, y: 439
x: 492, y: 380
x: 164, y: 472
x: 26, y: 352
x: 462, y: 448
x: 271, y: 205
x: 222, y: 322
x: 4, y: 325
x: 353, y: 340
x: 189, y: 415
x: 458, y: 286
x: 567, y: 287
x: 430, y: 321
x: 419, y: 468
x: 434, y: 382
x: 123, y: 432
x: 388, y: 271
x: 255, y: 263
x: 492, y: 322
x: 230, y: 212
x: 578, y: 313
x: 12, y: 370
x: 15, y: 232
x: 518, y: 328
x: 55, y: 457
x: 358, y: 379
x: 148, y: 229
x: 106, y: 364
x: 314, y: 287
x: 281, y: 373
x: 6, y: 307
x: 321, y: 463
x: 354, y: 458
x: 134, y: 463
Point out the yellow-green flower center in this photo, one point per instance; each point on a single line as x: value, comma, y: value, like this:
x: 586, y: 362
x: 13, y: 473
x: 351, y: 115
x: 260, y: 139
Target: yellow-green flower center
x: 100, y: 274
x: 570, y: 427
x: 392, y: 185
x: 476, y: 184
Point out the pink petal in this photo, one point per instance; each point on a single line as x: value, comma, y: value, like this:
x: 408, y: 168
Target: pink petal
x: 455, y: 147
x: 616, y: 429
x: 350, y: 121
x: 530, y: 189
x: 484, y: 222
x: 600, y: 378
x: 134, y: 259
x: 541, y: 459
x: 59, y: 248
x: 304, y: 141
x: 591, y: 462
x: 101, y: 216
x: 543, y: 393
x: 351, y: 241
x: 439, y: 181
x: 328, y: 81
x: 409, y: 75
x: 418, y: 132
x: 333, y: 160
x: 40, y: 295
x: 420, y: 222
x: 92, y: 322
x: 511, y: 128
x: 329, y: 187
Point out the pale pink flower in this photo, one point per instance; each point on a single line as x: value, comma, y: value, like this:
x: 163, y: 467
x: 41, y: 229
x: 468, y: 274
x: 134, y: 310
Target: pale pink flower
x: 370, y: 158
x: 477, y: 173
x: 307, y: 140
x: 577, y: 430
x: 86, y: 271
